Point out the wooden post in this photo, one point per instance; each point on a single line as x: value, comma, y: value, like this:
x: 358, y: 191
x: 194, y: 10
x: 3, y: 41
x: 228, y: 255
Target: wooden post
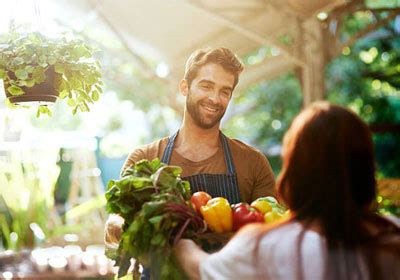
x: 312, y: 75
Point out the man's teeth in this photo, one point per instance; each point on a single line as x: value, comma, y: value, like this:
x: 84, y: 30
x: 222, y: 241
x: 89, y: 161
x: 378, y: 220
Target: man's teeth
x: 210, y: 108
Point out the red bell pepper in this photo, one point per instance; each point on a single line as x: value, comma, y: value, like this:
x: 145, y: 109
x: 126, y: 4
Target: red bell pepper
x: 244, y: 214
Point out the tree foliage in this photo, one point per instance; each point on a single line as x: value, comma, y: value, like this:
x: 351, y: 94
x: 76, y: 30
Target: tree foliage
x: 365, y: 78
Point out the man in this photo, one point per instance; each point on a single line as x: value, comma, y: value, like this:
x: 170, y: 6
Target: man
x: 210, y: 161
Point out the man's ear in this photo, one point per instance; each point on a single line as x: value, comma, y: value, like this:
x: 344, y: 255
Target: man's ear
x: 183, y: 87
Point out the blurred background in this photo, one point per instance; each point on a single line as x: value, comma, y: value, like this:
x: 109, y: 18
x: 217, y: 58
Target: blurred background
x: 54, y: 170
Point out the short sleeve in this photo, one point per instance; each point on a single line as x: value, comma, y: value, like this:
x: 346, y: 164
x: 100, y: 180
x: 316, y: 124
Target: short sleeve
x: 263, y: 177
x: 133, y: 157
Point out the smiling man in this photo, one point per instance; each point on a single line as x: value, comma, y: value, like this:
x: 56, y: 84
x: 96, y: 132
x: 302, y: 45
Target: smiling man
x: 211, y: 161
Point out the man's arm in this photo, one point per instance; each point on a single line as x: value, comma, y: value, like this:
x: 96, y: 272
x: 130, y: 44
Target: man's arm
x: 133, y: 157
x: 264, y: 179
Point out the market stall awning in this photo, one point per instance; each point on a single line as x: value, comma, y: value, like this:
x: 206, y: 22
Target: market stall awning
x: 292, y: 31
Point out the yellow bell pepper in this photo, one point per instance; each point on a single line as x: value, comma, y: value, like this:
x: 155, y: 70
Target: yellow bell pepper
x: 218, y: 214
x: 272, y: 216
x: 262, y: 206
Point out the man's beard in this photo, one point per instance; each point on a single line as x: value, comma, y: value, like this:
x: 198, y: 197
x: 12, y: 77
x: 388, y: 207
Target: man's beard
x: 194, y: 110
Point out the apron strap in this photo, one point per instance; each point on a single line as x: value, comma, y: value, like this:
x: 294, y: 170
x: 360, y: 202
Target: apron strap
x: 227, y: 155
x: 168, y: 149
x: 227, y: 152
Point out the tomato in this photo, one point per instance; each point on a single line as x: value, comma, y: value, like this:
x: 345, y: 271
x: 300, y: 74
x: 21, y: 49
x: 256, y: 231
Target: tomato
x: 199, y: 199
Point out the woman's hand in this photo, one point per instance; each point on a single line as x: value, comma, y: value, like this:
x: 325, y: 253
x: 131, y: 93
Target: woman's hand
x: 189, y: 256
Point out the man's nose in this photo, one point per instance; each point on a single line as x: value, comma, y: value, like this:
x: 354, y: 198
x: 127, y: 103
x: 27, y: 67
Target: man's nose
x: 213, y: 96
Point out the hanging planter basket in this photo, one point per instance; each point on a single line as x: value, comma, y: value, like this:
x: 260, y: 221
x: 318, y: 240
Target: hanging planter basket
x: 37, y: 69
x: 44, y: 93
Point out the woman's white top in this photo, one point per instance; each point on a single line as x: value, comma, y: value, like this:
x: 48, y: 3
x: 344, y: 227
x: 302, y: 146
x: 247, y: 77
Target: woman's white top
x: 278, y: 257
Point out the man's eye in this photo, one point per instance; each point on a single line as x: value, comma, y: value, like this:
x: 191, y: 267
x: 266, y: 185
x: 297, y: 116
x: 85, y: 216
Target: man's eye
x: 226, y: 93
x: 206, y: 86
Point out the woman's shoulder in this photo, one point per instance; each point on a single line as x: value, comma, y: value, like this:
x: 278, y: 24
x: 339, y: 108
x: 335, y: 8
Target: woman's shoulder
x: 273, y: 234
x: 287, y: 235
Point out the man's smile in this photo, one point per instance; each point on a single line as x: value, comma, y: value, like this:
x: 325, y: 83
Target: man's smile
x: 210, y: 108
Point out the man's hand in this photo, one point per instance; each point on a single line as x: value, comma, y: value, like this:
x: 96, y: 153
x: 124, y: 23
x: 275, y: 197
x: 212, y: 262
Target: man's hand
x: 113, y: 231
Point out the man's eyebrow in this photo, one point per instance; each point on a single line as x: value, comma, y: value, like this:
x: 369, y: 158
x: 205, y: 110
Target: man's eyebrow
x: 226, y: 87
x: 206, y: 81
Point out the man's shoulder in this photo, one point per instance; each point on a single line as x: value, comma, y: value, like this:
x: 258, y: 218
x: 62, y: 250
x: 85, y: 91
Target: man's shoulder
x: 238, y: 146
x: 148, y: 151
x: 154, y: 146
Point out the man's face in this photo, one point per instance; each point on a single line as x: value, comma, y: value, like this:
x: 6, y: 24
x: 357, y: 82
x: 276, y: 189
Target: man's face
x: 209, y: 94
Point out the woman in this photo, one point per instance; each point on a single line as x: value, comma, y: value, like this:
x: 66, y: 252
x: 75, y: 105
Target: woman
x: 328, y: 183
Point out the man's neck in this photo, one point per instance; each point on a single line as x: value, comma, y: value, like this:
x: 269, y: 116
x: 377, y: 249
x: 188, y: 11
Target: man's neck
x: 196, y: 143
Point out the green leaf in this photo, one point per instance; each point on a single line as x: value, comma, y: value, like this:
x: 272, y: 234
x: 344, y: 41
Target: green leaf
x: 99, y: 89
x: 95, y: 95
x: 124, y: 265
x: 52, y: 60
x: 3, y: 74
x: 156, y: 219
x: 15, y: 90
x: 59, y: 68
x: 42, y: 59
x: 63, y: 94
x: 43, y: 109
x: 29, y: 83
x: 85, y: 96
x: 82, y: 51
x: 38, y: 75
x: 87, y: 109
x: 29, y: 69
x: 157, y: 240
x: 152, y: 206
x: 18, y: 61
x: 21, y: 74
x: 71, y: 102
x: 35, y: 38
x: 75, y: 83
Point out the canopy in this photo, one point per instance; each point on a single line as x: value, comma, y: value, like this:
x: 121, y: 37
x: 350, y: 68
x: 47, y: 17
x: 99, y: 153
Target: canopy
x: 297, y: 34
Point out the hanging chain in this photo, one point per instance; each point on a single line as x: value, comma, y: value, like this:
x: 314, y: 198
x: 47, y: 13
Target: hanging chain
x: 37, y: 14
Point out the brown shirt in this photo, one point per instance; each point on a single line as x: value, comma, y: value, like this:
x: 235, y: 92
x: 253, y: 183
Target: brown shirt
x: 254, y: 173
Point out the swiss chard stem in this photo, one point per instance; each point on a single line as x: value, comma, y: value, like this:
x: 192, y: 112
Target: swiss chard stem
x: 180, y: 232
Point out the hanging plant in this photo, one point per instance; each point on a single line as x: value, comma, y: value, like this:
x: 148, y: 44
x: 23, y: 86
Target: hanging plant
x: 39, y: 69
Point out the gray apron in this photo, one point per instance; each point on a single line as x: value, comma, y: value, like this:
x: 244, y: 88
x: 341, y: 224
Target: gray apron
x: 225, y: 185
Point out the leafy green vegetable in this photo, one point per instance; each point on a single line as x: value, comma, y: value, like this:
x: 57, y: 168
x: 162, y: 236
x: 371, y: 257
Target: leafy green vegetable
x: 154, y: 201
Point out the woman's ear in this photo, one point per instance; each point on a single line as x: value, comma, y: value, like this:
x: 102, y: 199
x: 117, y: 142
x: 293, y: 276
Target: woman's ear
x: 183, y: 87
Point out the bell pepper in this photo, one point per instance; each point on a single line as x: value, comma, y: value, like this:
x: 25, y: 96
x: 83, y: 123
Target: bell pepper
x: 244, y: 214
x: 277, y: 215
x: 262, y: 205
x: 272, y: 216
x: 267, y: 204
x: 218, y: 214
